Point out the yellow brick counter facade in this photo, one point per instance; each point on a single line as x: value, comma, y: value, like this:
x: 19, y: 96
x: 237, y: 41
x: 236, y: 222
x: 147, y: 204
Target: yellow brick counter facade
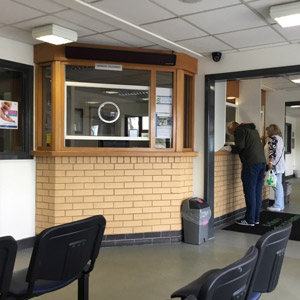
x: 228, y: 188
x: 135, y: 194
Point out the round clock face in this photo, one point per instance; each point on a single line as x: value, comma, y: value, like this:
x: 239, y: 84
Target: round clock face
x: 108, y: 112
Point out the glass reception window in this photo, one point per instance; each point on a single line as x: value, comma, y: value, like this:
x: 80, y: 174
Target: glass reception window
x: 46, y: 115
x: 108, y: 109
x: 188, y: 111
x: 164, y: 110
x: 231, y: 115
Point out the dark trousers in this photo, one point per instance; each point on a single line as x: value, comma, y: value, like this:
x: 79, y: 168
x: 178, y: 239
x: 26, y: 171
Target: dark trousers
x: 252, y: 178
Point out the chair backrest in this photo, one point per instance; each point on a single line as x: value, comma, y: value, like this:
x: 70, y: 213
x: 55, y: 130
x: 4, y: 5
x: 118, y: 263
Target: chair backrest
x: 271, y: 249
x: 231, y: 282
x: 8, y: 252
x: 61, y: 253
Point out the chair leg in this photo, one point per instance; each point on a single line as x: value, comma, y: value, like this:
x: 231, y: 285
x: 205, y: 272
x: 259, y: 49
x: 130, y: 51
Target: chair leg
x: 83, y: 287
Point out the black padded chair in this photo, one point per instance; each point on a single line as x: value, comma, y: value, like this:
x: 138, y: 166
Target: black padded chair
x: 229, y: 283
x: 271, y: 249
x: 8, y: 252
x: 61, y: 255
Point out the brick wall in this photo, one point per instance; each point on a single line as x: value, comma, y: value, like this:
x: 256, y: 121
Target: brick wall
x: 229, y: 195
x: 135, y: 194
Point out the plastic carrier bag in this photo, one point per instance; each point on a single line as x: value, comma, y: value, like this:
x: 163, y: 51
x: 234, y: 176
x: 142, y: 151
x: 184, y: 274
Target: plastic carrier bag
x: 271, y: 179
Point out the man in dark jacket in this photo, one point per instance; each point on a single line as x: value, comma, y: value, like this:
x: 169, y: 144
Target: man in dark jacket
x: 248, y: 146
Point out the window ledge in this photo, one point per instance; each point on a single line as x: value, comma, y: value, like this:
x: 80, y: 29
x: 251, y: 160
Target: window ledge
x: 112, y: 153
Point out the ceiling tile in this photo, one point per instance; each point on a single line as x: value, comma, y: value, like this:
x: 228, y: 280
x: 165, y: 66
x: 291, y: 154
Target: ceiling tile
x: 12, y: 12
x: 291, y: 33
x: 251, y: 37
x: 205, y: 44
x: 88, y: 22
x: 128, y: 38
x: 237, y: 17
x: 137, y: 12
x: 263, y: 7
x: 175, y: 29
x: 281, y: 86
x: 18, y: 34
x: 46, y: 6
x: 28, y: 25
x: 274, y: 80
x: 264, y: 46
x: 180, y: 8
x: 101, y: 39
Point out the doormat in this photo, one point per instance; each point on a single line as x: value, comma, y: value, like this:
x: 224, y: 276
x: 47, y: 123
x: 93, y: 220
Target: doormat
x: 269, y: 221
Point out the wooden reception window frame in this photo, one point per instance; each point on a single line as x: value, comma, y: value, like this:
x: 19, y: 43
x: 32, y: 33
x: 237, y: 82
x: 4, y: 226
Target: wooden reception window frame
x: 48, y: 55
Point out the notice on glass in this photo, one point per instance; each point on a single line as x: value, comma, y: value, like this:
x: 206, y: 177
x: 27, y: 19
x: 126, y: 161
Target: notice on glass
x: 164, y: 105
x: 164, y: 100
x: 163, y: 126
x: 8, y: 114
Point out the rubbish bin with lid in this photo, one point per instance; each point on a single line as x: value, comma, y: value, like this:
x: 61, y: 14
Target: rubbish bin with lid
x: 287, y: 187
x: 195, y: 214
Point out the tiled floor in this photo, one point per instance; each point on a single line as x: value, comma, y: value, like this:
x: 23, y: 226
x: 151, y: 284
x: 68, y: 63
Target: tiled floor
x: 154, y: 272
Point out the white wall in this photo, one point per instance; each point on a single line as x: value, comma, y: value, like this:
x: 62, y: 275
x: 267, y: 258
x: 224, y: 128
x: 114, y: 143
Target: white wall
x: 250, y: 101
x: 220, y: 114
x: 241, y: 61
x: 17, y: 177
x: 275, y: 109
x: 17, y: 198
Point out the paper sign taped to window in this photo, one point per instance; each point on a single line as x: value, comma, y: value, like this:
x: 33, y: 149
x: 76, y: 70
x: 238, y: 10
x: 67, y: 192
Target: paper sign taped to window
x: 8, y: 114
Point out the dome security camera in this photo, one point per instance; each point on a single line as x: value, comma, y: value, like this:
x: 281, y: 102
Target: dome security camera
x: 216, y: 56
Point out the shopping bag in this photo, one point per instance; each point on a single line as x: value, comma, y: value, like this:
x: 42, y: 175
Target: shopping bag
x: 271, y: 179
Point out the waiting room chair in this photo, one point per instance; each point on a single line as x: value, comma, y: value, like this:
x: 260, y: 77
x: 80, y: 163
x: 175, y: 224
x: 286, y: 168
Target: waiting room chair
x: 8, y: 252
x: 271, y: 249
x: 61, y: 255
x: 229, y: 283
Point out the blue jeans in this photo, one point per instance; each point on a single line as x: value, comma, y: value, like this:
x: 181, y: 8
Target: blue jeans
x: 279, y: 194
x: 252, y: 178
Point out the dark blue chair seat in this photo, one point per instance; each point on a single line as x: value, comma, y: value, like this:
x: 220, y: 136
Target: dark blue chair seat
x: 19, y: 286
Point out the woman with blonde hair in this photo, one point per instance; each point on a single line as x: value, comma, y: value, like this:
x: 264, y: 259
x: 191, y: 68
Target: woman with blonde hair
x: 274, y: 153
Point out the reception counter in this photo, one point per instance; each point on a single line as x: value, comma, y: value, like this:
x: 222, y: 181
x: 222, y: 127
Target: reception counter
x: 229, y: 195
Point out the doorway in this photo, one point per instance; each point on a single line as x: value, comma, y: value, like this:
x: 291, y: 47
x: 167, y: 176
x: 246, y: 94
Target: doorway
x: 209, y: 157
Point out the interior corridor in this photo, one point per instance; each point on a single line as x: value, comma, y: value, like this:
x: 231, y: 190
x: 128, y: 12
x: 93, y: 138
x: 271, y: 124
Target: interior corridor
x: 154, y: 272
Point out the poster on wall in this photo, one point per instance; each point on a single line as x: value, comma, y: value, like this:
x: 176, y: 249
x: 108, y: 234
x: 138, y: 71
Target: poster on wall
x: 8, y: 114
x: 164, y: 106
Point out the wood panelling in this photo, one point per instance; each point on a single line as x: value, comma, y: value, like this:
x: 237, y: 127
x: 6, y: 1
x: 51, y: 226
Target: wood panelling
x: 232, y: 89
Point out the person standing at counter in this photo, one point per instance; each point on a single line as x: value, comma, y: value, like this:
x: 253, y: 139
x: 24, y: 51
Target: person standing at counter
x: 274, y: 153
x: 248, y: 145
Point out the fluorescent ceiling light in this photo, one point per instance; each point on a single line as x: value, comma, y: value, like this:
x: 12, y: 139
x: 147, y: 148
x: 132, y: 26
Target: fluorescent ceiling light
x: 54, y: 34
x: 111, y: 92
x: 295, y: 106
x: 286, y: 15
x: 295, y: 79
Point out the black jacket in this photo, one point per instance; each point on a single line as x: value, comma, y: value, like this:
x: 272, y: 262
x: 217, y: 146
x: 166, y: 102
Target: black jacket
x: 248, y: 145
